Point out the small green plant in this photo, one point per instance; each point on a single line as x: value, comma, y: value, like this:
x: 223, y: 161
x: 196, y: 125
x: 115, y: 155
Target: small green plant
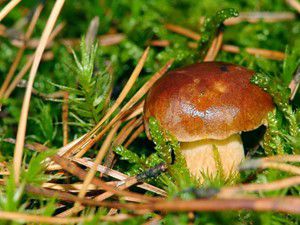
x: 90, y: 99
x: 283, y: 124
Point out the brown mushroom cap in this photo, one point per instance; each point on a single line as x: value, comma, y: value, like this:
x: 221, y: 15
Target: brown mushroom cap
x: 210, y: 100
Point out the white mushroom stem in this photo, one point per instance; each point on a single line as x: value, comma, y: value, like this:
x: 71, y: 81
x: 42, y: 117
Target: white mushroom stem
x: 201, y: 158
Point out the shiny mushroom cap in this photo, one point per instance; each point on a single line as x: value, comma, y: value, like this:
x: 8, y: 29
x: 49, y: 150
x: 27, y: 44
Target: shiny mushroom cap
x: 210, y: 100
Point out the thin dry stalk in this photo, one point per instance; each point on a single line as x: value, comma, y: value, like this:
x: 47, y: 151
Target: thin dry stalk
x: 294, y: 84
x: 50, y: 96
x: 275, y: 204
x: 215, y: 48
x: 78, y: 208
x: 33, y: 43
x: 254, y: 164
x: 90, y: 175
x: 110, y: 39
x: 118, y: 175
x: 68, y: 187
x: 266, y: 17
x: 136, y: 110
x: 295, y: 4
x: 269, y: 54
x: 110, y: 111
x: 72, y: 168
x: 276, y: 55
x: 20, y: 52
x: 126, y: 132
x: 62, y: 150
x: 122, y: 185
x: 28, y: 218
x: 276, y: 185
x: 65, y: 111
x: 265, y: 53
x: 183, y: 31
x: 282, y: 158
x: 159, y: 43
x: 18, y: 77
x: 12, y: 4
x: 25, y: 107
x: 55, y: 32
x: 137, y: 132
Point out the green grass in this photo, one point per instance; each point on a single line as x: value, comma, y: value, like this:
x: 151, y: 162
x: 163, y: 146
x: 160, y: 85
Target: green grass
x: 93, y: 87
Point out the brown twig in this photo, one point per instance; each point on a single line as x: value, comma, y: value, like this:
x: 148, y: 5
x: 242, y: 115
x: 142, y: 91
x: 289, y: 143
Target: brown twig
x: 68, y: 187
x: 135, y: 111
x: 284, y: 204
x: 118, y: 175
x: 122, y: 185
x: 266, y: 17
x: 282, y: 158
x: 25, y: 107
x: 159, y: 43
x: 269, y: 54
x: 104, y: 40
x: 18, y: 77
x: 276, y: 185
x: 33, y: 43
x: 16, y: 216
x: 72, y: 168
x: 183, y: 31
x: 276, y: 55
x: 253, y: 164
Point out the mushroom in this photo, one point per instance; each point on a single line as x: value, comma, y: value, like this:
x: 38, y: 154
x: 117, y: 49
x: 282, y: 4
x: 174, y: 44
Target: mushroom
x: 206, y: 106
